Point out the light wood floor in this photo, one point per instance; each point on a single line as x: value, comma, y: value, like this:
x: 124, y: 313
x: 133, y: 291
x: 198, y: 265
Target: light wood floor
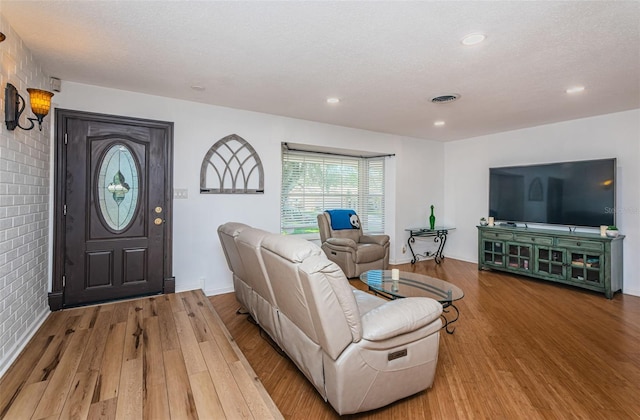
x: 164, y: 357
x: 522, y: 349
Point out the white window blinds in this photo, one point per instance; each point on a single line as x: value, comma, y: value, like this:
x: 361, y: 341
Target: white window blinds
x: 313, y: 182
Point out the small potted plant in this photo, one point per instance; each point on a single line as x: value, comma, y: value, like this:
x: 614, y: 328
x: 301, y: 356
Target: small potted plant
x: 483, y: 221
x: 612, y: 231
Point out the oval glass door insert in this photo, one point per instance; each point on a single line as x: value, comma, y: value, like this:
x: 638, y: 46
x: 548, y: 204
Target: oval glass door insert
x: 118, y: 187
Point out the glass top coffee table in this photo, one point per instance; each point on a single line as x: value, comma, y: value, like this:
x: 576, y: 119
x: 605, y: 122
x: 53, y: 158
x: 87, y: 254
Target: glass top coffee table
x: 415, y: 285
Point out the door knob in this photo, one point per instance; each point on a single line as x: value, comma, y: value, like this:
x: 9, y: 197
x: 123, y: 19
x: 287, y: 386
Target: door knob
x: 158, y: 221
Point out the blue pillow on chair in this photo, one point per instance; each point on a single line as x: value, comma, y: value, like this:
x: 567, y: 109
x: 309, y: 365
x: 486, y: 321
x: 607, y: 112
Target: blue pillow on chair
x: 344, y: 219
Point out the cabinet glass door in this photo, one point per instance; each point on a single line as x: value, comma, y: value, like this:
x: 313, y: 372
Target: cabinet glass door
x: 585, y: 267
x: 550, y: 262
x: 519, y: 256
x: 493, y: 252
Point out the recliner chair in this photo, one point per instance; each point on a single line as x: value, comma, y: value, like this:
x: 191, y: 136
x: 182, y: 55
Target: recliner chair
x: 348, y: 247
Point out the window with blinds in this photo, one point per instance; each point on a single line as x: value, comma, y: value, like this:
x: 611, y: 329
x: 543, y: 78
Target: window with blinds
x: 314, y: 182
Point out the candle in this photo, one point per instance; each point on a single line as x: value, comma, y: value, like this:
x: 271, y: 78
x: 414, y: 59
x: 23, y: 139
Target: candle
x: 603, y: 230
x: 491, y: 221
x: 395, y: 274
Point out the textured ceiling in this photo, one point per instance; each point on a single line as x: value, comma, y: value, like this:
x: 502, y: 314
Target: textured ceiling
x: 385, y: 60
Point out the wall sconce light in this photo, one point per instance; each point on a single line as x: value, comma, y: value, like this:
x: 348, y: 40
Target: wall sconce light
x: 15, y: 104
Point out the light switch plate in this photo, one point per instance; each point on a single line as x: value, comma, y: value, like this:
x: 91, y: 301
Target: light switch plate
x: 180, y: 193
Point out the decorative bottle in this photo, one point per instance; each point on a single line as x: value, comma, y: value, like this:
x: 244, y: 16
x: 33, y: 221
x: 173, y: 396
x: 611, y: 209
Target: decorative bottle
x: 432, y: 220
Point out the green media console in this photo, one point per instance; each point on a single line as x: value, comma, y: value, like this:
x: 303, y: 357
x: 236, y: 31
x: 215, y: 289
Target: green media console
x: 584, y: 260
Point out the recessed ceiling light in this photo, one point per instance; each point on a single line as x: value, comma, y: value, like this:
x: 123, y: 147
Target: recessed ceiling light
x: 473, y: 39
x: 2, y: 37
x: 575, y: 89
x: 333, y: 100
x: 438, y: 123
x: 199, y: 88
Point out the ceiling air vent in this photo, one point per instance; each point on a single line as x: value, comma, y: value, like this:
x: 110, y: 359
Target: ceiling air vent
x: 443, y: 99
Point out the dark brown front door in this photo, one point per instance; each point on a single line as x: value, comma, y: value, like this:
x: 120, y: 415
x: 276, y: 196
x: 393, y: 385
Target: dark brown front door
x: 113, y: 236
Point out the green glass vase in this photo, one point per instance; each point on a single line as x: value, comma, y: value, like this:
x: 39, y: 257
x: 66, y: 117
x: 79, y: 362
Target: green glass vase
x: 432, y: 220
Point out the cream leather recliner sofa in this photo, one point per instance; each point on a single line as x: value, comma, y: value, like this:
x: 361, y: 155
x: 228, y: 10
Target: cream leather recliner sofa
x: 360, y: 351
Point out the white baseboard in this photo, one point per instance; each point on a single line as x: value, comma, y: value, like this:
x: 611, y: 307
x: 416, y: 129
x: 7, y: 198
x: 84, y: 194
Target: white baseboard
x: 455, y: 257
x: 400, y: 261
x: 14, y: 352
x: 213, y: 292
x: 631, y: 292
x: 207, y: 292
x: 407, y: 260
x: 187, y: 287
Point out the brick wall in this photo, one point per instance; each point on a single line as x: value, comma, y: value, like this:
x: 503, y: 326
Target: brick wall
x: 24, y: 206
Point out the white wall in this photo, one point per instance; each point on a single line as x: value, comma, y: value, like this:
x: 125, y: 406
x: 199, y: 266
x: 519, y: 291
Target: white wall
x: 467, y: 165
x: 24, y: 212
x: 414, y: 176
x: 420, y: 185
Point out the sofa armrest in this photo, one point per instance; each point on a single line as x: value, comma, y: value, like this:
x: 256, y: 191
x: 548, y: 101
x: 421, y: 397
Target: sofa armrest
x: 399, y: 317
x: 342, y: 243
x: 381, y: 240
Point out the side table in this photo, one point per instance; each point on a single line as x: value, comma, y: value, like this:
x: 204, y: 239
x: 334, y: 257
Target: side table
x: 439, y: 234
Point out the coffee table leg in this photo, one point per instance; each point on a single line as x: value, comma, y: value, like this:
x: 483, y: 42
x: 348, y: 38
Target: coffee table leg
x: 446, y: 305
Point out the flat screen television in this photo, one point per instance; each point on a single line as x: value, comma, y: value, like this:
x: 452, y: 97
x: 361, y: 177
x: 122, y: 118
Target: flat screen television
x: 581, y: 193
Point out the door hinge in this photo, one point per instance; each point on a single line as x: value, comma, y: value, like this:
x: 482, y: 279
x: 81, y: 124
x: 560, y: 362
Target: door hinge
x: 66, y: 140
x: 64, y: 281
x: 64, y: 210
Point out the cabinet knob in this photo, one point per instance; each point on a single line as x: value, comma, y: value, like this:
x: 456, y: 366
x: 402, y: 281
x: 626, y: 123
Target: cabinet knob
x: 533, y: 239
x: 578, y: 243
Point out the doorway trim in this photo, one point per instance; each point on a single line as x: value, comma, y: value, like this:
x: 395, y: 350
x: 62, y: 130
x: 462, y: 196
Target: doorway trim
x: 56, y: 296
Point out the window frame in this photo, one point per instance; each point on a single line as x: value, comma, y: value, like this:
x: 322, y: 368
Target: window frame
x: 314, y: 196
